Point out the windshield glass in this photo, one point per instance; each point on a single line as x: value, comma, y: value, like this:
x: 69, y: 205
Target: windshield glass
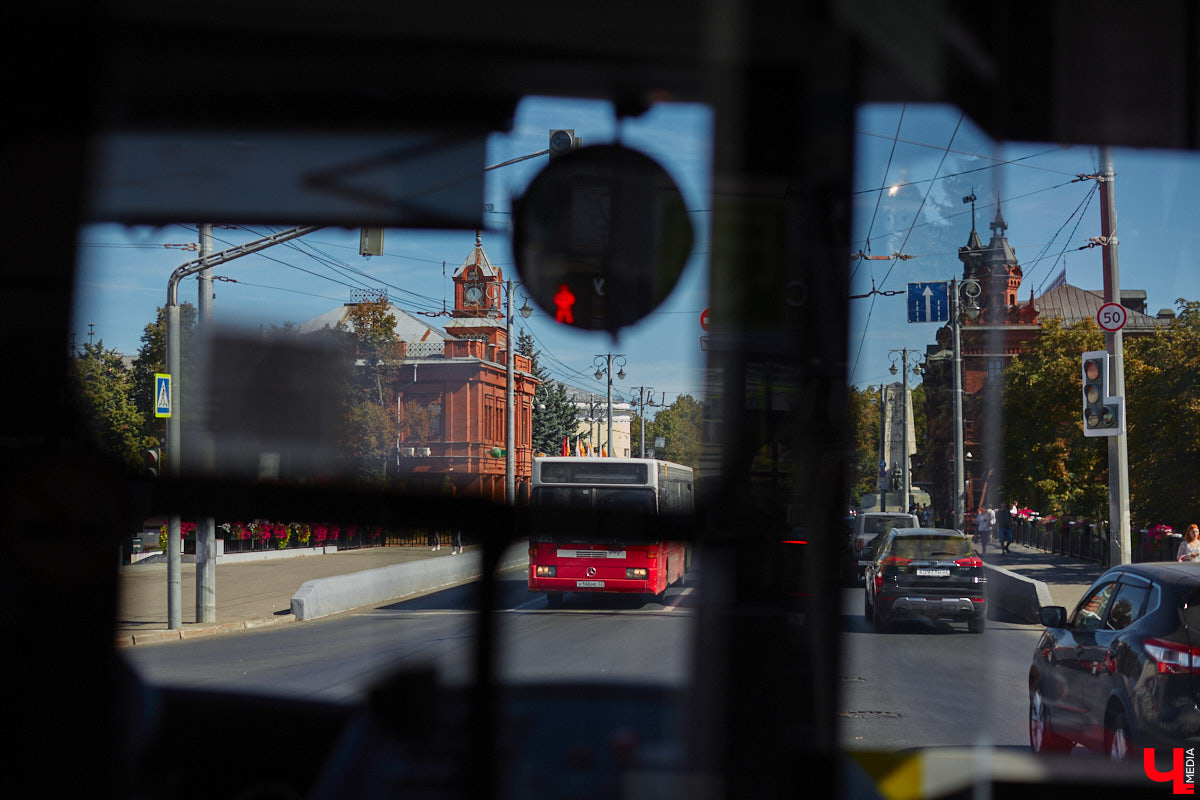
x: 916, y: 547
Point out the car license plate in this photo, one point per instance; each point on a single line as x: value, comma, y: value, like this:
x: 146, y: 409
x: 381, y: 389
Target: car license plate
x: 933, y: 573
x: 589, y: 584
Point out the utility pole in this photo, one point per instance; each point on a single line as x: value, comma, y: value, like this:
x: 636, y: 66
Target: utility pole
x: 174, y: 361
x: 206, y: 531
x: 959, y: 477
x: 1118, y: 446
x: 642, y: 390
x: 510, y: 427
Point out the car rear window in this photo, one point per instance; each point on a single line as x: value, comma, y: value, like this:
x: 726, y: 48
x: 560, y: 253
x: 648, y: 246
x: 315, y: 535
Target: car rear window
x: 931, y: 546
x: 885, y: 524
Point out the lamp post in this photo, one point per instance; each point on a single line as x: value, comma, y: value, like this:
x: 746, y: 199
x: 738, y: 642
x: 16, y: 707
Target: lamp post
x: 642, y: 403
x: 510, y: 415
x: 604, y: 364
x: 967, y: 291
x: 905, y: 367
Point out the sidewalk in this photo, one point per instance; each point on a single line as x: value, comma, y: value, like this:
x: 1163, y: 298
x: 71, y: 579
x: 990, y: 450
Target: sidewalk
x: 1067, y: 578
x: 249, y: 594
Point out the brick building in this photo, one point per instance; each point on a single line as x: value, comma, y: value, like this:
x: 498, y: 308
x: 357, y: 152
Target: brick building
x: 451, y: 390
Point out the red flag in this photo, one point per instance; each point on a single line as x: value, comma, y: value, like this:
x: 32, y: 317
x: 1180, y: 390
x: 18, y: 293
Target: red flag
x: 565, y: 450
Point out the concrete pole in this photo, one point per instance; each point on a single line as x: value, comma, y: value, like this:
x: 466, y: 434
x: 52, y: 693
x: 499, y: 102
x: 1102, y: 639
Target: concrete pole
x: 174, y: 557
x: 959, y: 476
x: 510, y: 433
x: 1118, y: 446
x: 206, y: 530
x: 906, y: 478
x: 610, y: 439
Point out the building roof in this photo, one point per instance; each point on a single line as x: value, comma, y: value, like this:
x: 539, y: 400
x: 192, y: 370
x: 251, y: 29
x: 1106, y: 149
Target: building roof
x: 478, y: 258
x: 409, y: 328
x: 1072, y: 304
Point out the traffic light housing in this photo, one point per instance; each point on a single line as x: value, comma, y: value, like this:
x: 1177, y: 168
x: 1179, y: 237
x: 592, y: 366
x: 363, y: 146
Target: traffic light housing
x: 152, y: 459
x: 1103, y: 415
x: 563, y: 141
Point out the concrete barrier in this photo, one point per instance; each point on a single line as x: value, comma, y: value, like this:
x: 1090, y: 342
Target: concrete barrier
x: 321, y: 597
x: 1020, y: 596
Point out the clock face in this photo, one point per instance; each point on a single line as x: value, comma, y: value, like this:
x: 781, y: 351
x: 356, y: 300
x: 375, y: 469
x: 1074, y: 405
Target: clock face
x: 473, y: 295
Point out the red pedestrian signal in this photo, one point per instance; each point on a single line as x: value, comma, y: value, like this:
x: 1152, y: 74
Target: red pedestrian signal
x: 564, y: 304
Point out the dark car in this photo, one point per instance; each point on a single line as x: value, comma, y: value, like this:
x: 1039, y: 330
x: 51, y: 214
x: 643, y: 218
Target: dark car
x: 1123, y: 672
x: 925, y: 573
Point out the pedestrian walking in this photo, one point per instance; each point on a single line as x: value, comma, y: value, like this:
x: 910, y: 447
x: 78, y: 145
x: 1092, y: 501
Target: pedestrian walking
x: 1004, y: 523
x: 456, y: 543
x: 1189, y: 548
x: 983, y: 523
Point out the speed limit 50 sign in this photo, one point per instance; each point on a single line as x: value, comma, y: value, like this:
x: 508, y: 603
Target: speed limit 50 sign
x: 1112, y: 317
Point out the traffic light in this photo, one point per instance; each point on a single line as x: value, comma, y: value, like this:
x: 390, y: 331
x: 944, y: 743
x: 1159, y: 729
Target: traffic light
x: 1102, y: 415
x: 563, y: 141
x: 152, y: 458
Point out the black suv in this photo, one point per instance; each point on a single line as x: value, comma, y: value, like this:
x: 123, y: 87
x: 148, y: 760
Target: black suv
x: 1123, y: 673
x: 929, y: 573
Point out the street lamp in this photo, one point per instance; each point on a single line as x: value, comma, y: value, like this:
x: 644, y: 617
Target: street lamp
x: 510, y: 416
x: 604, y: 364
x: 964, y: 294
x: 905, y: 368
x: 642, y: 403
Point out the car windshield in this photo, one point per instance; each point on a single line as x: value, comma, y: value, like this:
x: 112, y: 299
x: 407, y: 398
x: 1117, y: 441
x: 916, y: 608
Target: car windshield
x: 302, y: 301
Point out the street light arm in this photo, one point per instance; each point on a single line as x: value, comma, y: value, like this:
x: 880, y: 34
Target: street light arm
x: 249, y: 248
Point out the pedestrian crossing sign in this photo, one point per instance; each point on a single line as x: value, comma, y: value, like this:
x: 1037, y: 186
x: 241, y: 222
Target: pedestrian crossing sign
x: 162, y: 395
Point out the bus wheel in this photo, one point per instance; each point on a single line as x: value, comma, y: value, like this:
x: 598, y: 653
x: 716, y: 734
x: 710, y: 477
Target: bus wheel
x: 554, y: 600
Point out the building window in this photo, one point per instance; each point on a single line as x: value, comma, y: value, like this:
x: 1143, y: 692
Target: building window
x: 995, y: 367
x: 421, y: 418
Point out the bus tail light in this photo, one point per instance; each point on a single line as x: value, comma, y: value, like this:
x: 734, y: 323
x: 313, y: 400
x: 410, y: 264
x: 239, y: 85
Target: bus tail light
x: 545, y: 572
x: 636, y: 573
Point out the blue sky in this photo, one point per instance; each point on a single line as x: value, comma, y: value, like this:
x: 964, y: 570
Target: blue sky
x: 124, y: 270
x: 933, y: 160
x: 914, y: 164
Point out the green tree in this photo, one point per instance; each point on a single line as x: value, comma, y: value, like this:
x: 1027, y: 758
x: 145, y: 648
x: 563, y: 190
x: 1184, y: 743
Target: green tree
x: 152, y: 359
x: 553, y: 412
x: 1162, y: 390
x: 105, y: 389
x: 1048, y: 462
x: 372, y: 428
x: 681, y: 425
x: 863, y: 427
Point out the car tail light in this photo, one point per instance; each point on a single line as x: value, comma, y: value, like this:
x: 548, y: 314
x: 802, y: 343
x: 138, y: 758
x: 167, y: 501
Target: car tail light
x: 546, y: 571
x: 1173, y: 658
x: 969, y: 561
x: 858, y: 545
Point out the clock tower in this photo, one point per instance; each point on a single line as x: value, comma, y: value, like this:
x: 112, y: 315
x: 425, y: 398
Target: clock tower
x: 477, y: 285
x: 478, y: 292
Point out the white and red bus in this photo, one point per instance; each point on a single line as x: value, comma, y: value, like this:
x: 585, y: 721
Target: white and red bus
x: 595, y: 525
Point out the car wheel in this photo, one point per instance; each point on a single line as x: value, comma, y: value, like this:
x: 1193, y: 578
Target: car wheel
x: 977, y: 624
x: 1042, y: 739
x: 1120, y: 740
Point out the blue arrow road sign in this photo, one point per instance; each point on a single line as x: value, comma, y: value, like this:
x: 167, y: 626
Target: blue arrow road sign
x: 162, y: 395
x: 929, y: 302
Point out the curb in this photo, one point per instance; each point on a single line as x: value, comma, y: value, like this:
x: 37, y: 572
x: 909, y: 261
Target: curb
x: 199, y: 630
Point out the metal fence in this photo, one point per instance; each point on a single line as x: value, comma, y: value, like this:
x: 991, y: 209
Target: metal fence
x: 1090, y: 541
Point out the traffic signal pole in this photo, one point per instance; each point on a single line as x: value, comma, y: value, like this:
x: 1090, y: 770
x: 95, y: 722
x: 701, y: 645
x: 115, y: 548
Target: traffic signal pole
x: 174, y: 361
x: 1118, y: 446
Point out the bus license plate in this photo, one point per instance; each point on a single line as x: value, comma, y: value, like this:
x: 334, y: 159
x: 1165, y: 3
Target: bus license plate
x: 934, y: 573
x: 589, y: 584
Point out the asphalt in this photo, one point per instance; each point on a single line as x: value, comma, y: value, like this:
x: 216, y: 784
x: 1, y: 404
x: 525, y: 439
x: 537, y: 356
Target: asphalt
x: 257, y: 594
